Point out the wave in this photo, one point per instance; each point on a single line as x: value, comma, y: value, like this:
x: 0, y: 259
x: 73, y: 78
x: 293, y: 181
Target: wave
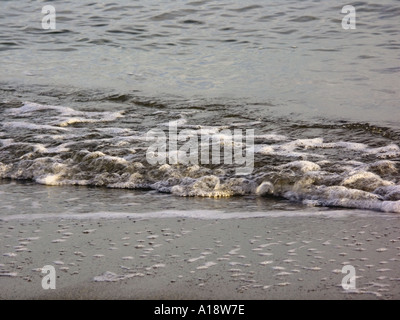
x: 57, y: 146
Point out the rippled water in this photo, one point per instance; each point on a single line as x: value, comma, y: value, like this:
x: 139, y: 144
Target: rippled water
x: 76, y: 102
x: 293, y: 54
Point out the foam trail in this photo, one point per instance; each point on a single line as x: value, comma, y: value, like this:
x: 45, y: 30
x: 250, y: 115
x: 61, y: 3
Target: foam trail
x: 195, y: 214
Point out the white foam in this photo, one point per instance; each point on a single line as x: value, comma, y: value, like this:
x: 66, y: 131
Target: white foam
x: 194, y: 214
x: 364, y: 180
x: 3, y: 169
x: 271, y: 137
x: 29, y: 107
x: 7, y: 142
x: 265, y: 188
x: 389, y: 151
x: 388, y: 192
x: 303, y: 166
x: 94, y: 117
x: 115, y: 131
x: 289, y: 149
x: 264, y: 149
x: 208, y: 131
x: 346, y: 145
x: 314, y: 180
x: 30, y: 126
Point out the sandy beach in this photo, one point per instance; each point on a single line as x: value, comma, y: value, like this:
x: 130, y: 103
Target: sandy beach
x: 186, y: 258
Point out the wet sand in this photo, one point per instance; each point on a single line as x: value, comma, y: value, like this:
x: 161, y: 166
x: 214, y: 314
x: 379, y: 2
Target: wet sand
x: 182, y: 258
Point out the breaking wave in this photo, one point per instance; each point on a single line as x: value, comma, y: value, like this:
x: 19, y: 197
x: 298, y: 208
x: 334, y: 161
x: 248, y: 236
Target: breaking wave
x: 55, y: 145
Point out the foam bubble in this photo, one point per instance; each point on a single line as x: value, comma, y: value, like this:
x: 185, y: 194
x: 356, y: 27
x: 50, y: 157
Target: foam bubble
x: 92, y: 118
x: 30, y: 126
x: 366, y: 181
x: 391, y: 193
x: 302, y: 166
x: 29, y: 107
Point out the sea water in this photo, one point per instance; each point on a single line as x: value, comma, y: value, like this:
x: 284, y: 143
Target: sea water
x: 77, y: 103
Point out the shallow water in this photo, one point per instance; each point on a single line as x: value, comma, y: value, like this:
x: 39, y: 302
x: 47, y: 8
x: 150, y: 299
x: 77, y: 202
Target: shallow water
x: 76, y: 103
x: 293, y: 55
x: 25, y: 201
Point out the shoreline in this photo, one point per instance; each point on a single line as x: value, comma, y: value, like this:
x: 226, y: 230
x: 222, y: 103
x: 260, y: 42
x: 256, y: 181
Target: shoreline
x: 191, y: 259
